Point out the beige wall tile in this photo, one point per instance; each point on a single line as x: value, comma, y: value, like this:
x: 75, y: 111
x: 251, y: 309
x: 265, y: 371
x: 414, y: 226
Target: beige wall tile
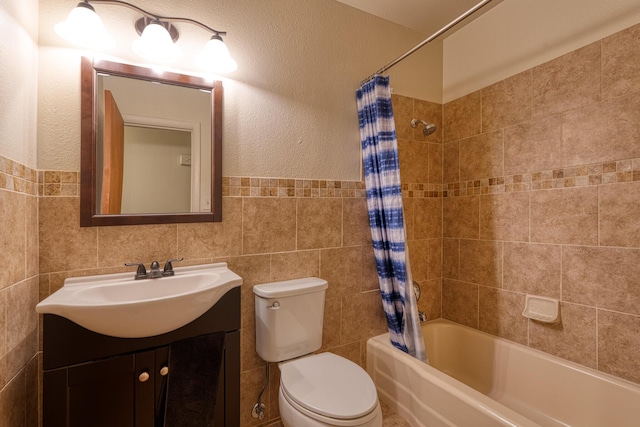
x: 64, y: 245
x: 370, y: 279
x: 567, y: 82
x: 619, y: 206
x: 460, y: 302
x: 342, y: 268
x: 295, y: 265
x: 362, y: 316
x: 618, y: 343
x: 408, y: 212
x: 602, y: 277
x: 427, y: 218
x: 435, y: 163
x: 435, y: 258
x: 451, y: 258
x: 568, y: 215
x: 332, y: 322
x: 13, y: 232
x: 268, y: 225
x: 507, y: 102
x: 32, y: 254
x: 574, y: 338
x: 213, y: 239
x: 249, y: 358
x: 22, y: 320
x: 414, y: 161
x: 462, y: 117
x: 451, y: 162
x: 461, y: 217
x: 532, y: 268
x: 355, y: 222
x: 145, y: 243
x: 505, y: 216
x: 431, y: 300
x: 402, y: 115
x: 621, y: 63
x: 419, y: 257
x: 533, y: 146
x: 615, y: 121
x: 481, y: 262
x: 319, y: 223
x: 430, y: 112
x: 13, y: 402
x: 501, y: 314
x: 481, y: 156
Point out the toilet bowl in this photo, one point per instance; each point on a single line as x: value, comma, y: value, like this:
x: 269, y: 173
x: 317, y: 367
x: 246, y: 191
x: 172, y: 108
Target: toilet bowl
x: 327, y: 390
x: 316, y: 390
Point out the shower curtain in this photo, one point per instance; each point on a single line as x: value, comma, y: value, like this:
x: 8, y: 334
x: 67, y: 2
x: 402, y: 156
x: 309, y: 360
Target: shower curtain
x: 384, y: 201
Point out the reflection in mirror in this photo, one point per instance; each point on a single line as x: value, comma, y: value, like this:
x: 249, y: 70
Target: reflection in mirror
x: 151, y: 151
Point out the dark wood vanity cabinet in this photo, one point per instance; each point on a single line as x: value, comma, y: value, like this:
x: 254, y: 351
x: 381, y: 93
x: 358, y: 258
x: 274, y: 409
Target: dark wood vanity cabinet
x: 101, y: 381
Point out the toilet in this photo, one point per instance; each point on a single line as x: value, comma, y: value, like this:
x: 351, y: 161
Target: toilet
x: 316, y: 390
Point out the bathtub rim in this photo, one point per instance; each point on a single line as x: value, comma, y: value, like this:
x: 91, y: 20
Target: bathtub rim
x: 461, y: 390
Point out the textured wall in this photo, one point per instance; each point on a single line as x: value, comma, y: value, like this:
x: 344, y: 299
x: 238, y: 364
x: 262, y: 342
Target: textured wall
x: 542, y: 175
x: 519, y: 34
x: 289, y: 110
x: 18, y: 80
x: 18, y: 214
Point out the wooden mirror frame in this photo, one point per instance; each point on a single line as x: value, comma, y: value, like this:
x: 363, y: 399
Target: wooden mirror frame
x: 88, y: 150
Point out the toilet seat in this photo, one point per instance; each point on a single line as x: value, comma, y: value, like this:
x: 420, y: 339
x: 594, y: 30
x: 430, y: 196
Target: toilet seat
x: 329, y: 387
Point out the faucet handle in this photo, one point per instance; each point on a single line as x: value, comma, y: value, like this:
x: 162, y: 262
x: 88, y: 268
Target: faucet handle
x: 141, y: 273
x: 168, y: 267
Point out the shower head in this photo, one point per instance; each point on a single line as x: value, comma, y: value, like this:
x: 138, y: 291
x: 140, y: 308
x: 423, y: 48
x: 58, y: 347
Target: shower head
x: 429, y: 128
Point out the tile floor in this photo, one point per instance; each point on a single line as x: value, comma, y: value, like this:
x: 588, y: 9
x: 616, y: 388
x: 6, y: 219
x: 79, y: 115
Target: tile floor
x: 391, y: 419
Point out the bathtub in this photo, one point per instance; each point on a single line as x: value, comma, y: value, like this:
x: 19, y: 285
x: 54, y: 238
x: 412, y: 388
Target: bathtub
x: 475, y: 379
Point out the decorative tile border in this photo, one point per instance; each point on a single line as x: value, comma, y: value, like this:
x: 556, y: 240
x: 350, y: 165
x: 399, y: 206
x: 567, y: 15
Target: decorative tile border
x: 17, y: 177
x: 575, y: 176
x: 58, y: 183
x: 422, y: 190
x: 64, y: 183
x: 234, y: 186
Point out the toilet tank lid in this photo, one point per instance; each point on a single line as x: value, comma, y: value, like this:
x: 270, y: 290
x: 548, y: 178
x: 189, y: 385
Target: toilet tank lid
x: 287, y: 288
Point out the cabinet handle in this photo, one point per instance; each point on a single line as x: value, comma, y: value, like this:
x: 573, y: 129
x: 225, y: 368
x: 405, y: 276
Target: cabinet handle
x: 143, y: 377
x: 164, y: 371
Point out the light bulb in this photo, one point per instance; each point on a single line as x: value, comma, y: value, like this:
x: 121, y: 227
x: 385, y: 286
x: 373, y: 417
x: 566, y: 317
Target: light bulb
x: 215, y: 56
x: 155, y: 43
x: 84, y: 27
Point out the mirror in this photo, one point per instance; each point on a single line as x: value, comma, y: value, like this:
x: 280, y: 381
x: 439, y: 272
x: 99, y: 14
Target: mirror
x: 151, y: 145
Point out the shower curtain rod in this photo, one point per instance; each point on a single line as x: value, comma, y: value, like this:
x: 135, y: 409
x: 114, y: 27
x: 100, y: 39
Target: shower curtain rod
x: 430, y: 38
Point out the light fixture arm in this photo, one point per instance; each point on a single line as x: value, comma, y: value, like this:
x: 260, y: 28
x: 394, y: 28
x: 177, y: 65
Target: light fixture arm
x: 158, y: 17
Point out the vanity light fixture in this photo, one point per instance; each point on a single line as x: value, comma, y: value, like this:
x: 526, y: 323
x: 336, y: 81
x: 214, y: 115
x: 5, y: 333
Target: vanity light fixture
x: 157, y: 39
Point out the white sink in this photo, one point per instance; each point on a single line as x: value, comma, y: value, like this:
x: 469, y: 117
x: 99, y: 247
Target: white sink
x: 118, y: 305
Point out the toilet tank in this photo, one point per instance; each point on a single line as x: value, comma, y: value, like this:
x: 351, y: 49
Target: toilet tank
x: 289, y: 316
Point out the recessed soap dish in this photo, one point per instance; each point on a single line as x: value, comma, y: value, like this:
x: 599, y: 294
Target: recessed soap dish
x: 542, y: 309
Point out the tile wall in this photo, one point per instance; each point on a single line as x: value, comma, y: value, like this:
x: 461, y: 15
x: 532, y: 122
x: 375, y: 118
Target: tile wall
x: 18, y: 295
x: 541, y: 196
x: 421, y: 177
x: 272, y: 229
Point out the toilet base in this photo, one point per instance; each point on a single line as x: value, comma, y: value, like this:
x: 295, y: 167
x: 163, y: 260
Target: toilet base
x: 292, y: 417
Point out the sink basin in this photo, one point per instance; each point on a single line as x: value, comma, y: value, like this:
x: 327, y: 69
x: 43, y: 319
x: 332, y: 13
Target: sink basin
x: 119, y: 306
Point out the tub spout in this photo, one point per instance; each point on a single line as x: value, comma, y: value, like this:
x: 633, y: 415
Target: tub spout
x: 423, y: 316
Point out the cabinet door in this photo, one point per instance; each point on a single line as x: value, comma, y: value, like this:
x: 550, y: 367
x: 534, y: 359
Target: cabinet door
x: 101, y: 394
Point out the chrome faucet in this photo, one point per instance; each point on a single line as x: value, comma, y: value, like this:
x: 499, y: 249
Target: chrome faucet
x: 154, y: 271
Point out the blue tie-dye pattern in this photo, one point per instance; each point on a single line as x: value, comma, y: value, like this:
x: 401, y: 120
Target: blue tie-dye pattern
x: 384, y: 200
